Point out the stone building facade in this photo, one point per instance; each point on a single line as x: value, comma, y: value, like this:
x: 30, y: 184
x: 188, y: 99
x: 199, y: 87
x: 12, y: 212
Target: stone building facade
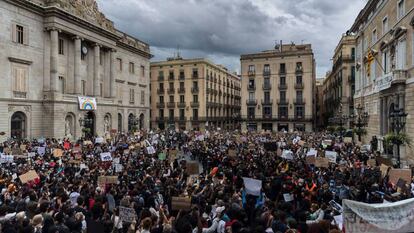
x: 193, y: 94
x: 339, y: 84
x: 320, y: 107
x: 278, y: 89
x: 385, y: 67
x: 54, y: 51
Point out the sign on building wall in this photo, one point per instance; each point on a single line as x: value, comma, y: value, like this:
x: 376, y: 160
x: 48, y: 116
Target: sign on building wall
x: 87, y: 103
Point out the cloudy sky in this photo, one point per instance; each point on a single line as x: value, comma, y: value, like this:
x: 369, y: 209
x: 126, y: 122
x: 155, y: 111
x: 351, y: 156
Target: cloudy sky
x: 221, y: 30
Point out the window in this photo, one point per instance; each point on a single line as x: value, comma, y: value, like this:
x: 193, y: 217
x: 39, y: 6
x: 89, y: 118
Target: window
x: 299, y: 111
x: 251, y: 83
x: 195, y: 73
x: 19, y: 35
x: 161, y: 113
x: 283, y: 111
x: 171, y: 85
x: 251, y: 68
x: 374, y: 36
x: 131, y: 68
x: 353, y: 53
x: 142, y: 97
x: 282, y: 68
x: 299, y: 95
x: 385, y: 25
x: 400, y: 9
x: 182, y: 85
x: 195, y: 85
x: 119, y: 60
x: 131, y: 96
x: 267, y: 111
x: 195, y: 113
x: 182, y: 76
x: 266, y: 82
x: 161, y: 86
x: 195, y: 98
x: 282, y: 80
x: 171, y: 114
x: 251, y: 96
x: 401, y: 54
x: 19, y: 79
x: 83, y: 87
x: 161, y: 75
x: 61, y: 46
x: 182, y: 100
x: 298, y: 65
x: 161, y: 99
x: 298, y: 79
x: 171, y: 75
x: 267, y: 97
x: 101, y: 89
x: 251, y: 112
x: 143, y: 71
x: 385, y: 62
x: 266, y: 69
x: 282, y: 96
x: 182, y: 113
x: 171, y: 99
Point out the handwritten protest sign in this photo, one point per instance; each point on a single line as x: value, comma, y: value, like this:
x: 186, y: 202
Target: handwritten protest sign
x: 288, y: 197
x: 347, y: 139
x: 41, y: 150
x: 287, y: 154
x: 99, y: 140
x: 312, y: 152
x: 372, y: 162
x: 126, y: 214
x: 150, y: 150
x: 106, y: 156
x: 102, y: 180
x: 87, y: 143
x: 161, y: 156
x: 321, y: 162
x: 310, y: 159
x: 396, y: 174
x: 31, y: 154
x: 192, y: 168
x: 118, y: 167
x: 22, y: 148
x: 66, y: 145
x: 29, y: 176
x: 331, y: 155
x: 252, y: 186
x: 181, y: 203
x: 6, y: 158
x: 58, y: 152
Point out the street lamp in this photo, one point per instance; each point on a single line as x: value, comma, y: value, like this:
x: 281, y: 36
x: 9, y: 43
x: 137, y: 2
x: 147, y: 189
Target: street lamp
x: 339, y: 119
x: 398, y: 120
x: 361, y: 120
x: 84, y: 122
x: 133, y: 121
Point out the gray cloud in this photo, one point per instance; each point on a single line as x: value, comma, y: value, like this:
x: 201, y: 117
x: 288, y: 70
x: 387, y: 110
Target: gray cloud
x: 221, y: 30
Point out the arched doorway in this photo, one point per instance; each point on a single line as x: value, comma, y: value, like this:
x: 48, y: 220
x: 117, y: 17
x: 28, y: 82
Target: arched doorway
x: 141, y: 121
x: 18, y: 125
x: 131, y: 122
x: 69, y: 125
x: 107, y: 123
x: 89, y: 124
x: 120, y: 122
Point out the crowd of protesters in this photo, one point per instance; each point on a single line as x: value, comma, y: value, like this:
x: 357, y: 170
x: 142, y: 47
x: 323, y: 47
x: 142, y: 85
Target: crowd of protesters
x: 67, y: 197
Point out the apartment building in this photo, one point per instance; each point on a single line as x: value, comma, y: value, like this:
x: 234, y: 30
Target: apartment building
x: 278, y: 89
x: 194, y: 94
x: 385, y: 67
x: 339, y: 85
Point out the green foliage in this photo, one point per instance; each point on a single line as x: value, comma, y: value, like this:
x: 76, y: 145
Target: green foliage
x: 331, y: 129
x: 392, y: 138
x: 360, y: 131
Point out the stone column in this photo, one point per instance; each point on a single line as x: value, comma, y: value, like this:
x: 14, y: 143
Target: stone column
x: 77, y: 64
x: 96, y: 74
x: 112, y: 68
x: 54, y: 55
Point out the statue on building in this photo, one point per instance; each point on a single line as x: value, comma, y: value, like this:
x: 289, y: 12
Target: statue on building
x: 68, y: 132
x: 106, y: 124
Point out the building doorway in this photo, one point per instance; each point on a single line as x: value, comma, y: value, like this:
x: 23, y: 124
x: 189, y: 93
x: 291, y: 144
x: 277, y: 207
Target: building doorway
x: 89, y: 124
x: 120, y: 123
x: 141, y: 121
x: 18, y: 125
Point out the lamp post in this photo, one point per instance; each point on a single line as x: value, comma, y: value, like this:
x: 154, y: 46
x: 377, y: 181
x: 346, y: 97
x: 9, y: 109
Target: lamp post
x: 398, y: 120
x: 133, y: 121
x: 361, y: 120
x: 339, y: 119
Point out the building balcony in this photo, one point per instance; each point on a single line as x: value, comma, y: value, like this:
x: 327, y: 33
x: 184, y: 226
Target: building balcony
x: 181, y: 104
x: 267, y: 116
x: 251, y: 73
x: 194, y: 90
x: 181, y: 90
x: 267, y: 102
x: 299, y: 85
x: 171, y: 104
x: 283, y: 117
x: 194, y: 75
x: 181, y: 119
x: 282, y: 86
x: 267, y: 86
x: 160, y: 91
x: 266, y: 73
x: 251, y: 117
x: 251, y: 88
x: 299, y: 101
x: 160, y: 119
x: 161, y: 105
x: 182, y: 76
x: 251, y: 102
x: 171, y: 77
x: 299, y: 70
x: 171, y: 91
x: 195, y: 104
x: 195, y: 119
x: 161, y: 78
x: 282, y: 72
x: 283, y: 102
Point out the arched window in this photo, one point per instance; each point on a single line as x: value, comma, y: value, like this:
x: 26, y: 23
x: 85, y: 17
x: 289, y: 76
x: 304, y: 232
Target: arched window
x: 18, y: 125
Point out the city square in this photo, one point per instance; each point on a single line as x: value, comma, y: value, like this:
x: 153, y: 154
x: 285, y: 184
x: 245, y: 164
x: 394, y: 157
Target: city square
x: 189, y: 116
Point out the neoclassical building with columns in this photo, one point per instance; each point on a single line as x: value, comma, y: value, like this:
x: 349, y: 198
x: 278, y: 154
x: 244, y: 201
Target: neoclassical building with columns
x: 65, y: 68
